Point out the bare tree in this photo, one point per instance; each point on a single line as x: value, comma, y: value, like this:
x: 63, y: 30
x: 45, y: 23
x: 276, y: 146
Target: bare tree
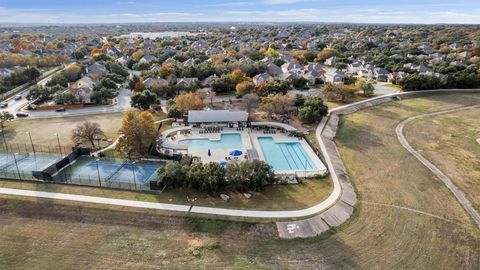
x: 87, y: 131
x: 251, y: 101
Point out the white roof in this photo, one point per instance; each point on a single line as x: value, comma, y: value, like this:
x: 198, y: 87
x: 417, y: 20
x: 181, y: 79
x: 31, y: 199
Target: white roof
x: 211, y: 116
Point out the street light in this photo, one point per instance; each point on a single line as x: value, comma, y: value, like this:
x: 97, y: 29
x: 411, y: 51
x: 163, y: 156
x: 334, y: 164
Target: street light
x: 16, y: 164
x: 98, y: 172
x: 59, y: 146
x: 4, y: 141
x: 33, y: 148
x: 31, y: 141
x: 134, y: 178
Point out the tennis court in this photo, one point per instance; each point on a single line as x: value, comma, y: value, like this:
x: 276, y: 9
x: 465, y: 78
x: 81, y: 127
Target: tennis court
x: 27, y: 162
x: 111, y: 170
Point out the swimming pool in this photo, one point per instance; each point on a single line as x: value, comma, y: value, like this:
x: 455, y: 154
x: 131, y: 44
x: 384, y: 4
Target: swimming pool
x: 230, y: 141
x: 285, y: 156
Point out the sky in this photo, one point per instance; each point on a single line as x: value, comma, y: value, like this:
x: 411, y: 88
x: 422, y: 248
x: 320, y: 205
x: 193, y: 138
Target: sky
x: 136, y: 11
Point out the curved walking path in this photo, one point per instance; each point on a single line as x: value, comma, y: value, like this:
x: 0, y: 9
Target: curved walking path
x: 332, y: 212
x: 462, y: 199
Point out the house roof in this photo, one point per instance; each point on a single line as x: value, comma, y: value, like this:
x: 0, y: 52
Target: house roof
x: 210, y: 116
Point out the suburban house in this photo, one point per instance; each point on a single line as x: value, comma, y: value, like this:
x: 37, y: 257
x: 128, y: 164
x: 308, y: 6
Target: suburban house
x: 334, y: 77
x: 148, y: 59
x: 262, y: 78
x: 331, y: 61
x: 296, y: 69
x: 274, y: 70
x: 96, y: 70
x: 150, y: 82
x: 186, y: 81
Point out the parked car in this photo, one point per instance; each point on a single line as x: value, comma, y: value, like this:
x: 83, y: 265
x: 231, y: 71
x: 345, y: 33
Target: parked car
x: 3, y: 105
x: 18, y: 97
x: 22, y: 114
x: 60, y: 109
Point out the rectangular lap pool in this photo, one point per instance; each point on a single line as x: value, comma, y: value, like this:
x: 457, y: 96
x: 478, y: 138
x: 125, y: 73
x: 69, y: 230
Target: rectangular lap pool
x: 229, y: 141
x: 285, y: 156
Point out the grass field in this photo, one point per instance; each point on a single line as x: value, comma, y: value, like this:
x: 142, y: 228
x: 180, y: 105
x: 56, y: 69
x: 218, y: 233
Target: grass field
x: 43, y: 129
x: 278, y: 197
x: 383, y: 234
x: 449, y: 141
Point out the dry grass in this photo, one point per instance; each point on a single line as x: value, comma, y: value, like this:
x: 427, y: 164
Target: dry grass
x: 45, y: 235
x: 278, y: 197
x: 449, y: 141
x: 43, y: 130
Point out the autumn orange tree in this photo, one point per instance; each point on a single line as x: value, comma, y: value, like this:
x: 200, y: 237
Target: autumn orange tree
x: 190, y: 101
x: 138, y: 132
x: 167, y: 70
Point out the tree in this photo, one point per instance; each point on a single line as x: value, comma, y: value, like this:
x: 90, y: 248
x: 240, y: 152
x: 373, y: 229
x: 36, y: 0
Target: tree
x: 206, y: 178
x: 102, y: 95
x: 271, y: 52
x: 5, y: 117
x: 223, y: 84
x: 138, y: 132
x: 339, y: 91
x: 366, y: 87
x: 58, y: 79
x: 143, y: 100
x: 249, y: 175
x: 167, y: 70
x: 313, y: 110
x: 300, y: 82
x: 173, y: 174
x: 173, y: 112
x: 73, y: 72
x: 299, y: 100
x: 137, y: 55
x: 32, y: 74
x: 117, y: 69
x: 415, y: 82
x: 325, y: 54
x: 244, y: 88
x: 40, y: 93
x: 190, y: 101
x: 87, y: 131
x: 251, y: 102
x: 279, y: 104
x: 139, y: 86
x: 65, y: 98
x: 237, y: 76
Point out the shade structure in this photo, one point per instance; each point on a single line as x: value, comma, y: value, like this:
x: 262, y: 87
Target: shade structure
x: 236, y: 153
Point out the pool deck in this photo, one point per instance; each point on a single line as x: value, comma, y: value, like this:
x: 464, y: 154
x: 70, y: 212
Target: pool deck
x: 250, y: 142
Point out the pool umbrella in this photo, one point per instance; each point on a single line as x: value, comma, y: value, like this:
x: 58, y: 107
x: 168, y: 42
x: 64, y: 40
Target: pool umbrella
x: 223, y: 163
x: 236, y: 153
x: 209, y: 153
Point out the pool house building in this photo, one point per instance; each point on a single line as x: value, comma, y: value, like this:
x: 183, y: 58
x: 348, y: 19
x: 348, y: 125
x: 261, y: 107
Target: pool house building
x: 217, y: 118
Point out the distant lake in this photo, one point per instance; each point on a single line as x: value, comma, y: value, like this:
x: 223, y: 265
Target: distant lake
x: 154, y: 35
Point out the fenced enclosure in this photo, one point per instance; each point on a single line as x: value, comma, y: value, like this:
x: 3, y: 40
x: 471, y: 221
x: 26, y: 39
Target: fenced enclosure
x: 34, y: 148
x: 76, y: 167
x: 23, y: 166
x: 108, y: 172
